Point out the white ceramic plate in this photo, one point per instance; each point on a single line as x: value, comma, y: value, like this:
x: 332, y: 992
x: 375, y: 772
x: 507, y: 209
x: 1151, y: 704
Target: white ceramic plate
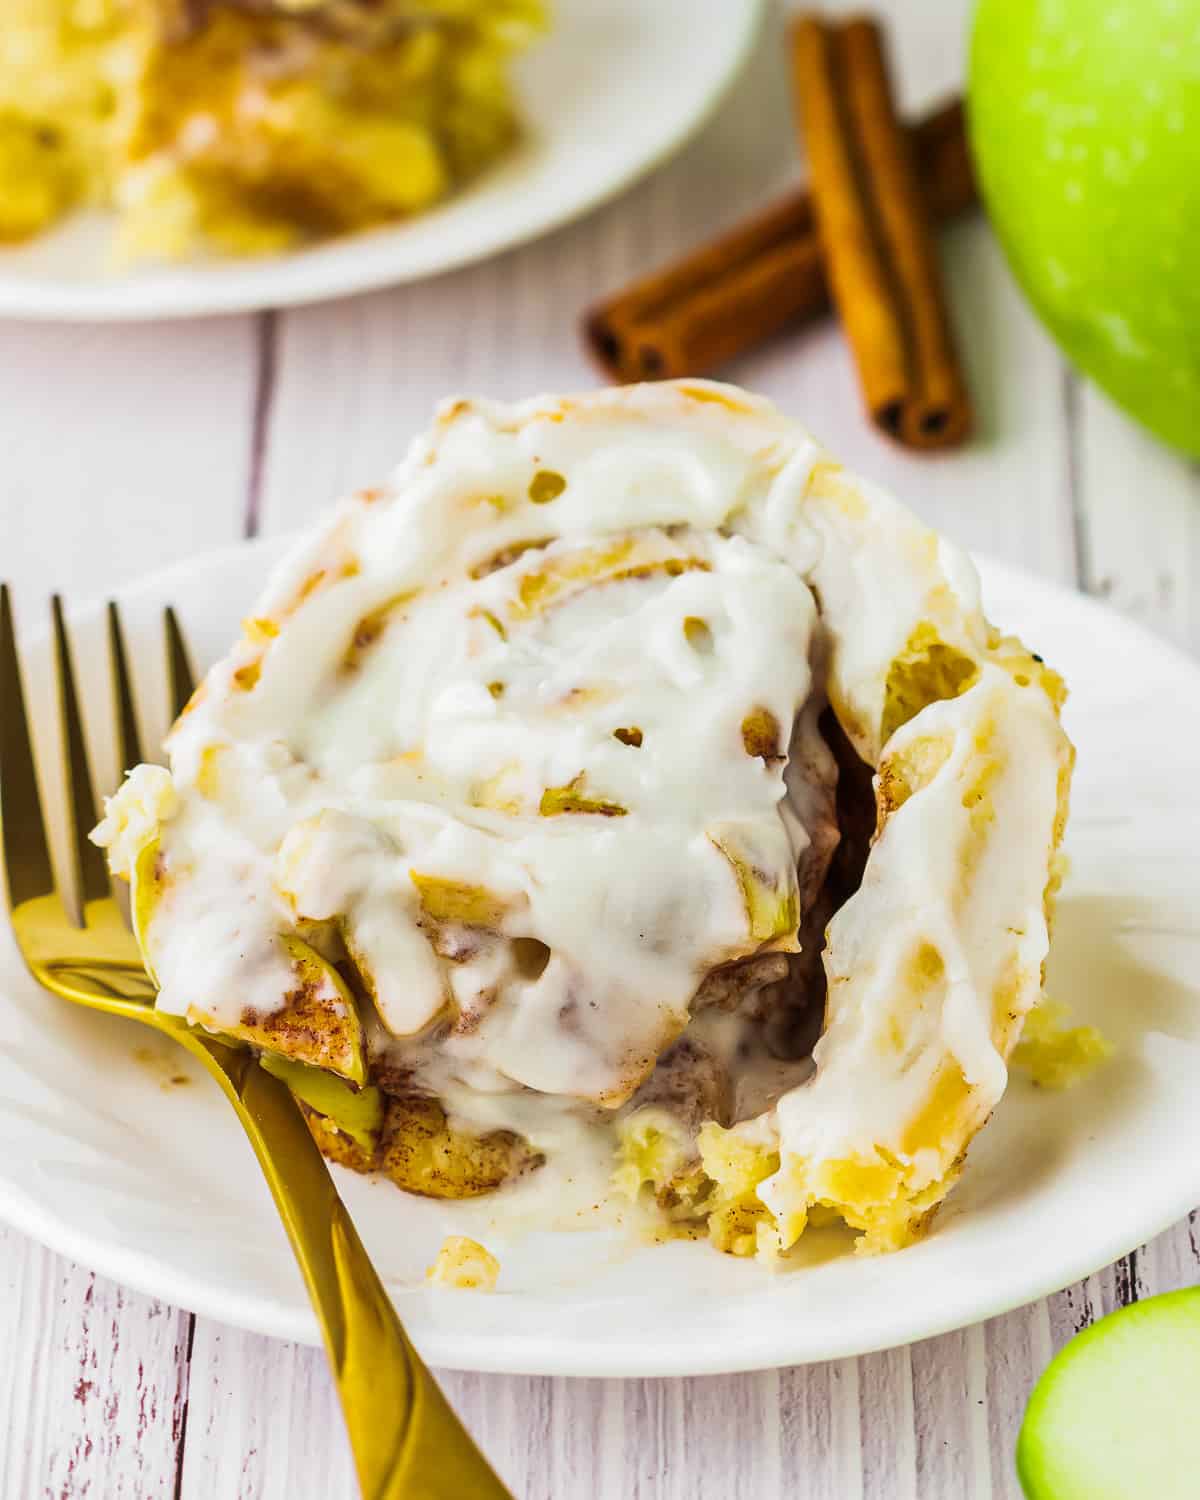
x: 150, y: 1181
x: 612, y: 90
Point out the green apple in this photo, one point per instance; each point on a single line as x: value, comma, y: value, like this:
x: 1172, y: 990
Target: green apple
x: 1114, y: 1415
x: 357, y: 1113
x: 1084, y: 119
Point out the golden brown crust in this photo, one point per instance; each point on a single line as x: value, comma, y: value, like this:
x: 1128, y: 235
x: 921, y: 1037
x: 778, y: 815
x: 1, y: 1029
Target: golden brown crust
x: 423, y: 1153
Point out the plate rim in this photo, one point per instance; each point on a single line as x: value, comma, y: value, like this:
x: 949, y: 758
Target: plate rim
x: 41, y: 299
x: 553, y: 1355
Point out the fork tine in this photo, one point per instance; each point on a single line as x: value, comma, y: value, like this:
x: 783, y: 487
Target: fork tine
x: 88, y: 862
x: 26, y: 849
x: 179, y: 671
x: 129, y: 742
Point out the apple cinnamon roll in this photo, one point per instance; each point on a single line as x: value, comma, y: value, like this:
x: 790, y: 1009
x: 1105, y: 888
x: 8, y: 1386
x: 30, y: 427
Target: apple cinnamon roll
x: 623, y: 758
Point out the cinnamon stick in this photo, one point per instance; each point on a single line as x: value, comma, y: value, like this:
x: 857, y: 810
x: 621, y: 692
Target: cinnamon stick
x: 873, y: 227
x: 692, y: 316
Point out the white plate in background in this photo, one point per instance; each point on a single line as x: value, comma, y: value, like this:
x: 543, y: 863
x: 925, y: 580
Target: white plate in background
x: 609, y: 93
x: 151, y: 1182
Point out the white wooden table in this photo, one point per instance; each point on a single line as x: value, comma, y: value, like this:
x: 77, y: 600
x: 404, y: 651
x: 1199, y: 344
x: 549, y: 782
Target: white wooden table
x: 125, y: 449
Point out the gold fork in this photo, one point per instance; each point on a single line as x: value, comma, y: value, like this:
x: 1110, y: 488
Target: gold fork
x: 406, y: 1440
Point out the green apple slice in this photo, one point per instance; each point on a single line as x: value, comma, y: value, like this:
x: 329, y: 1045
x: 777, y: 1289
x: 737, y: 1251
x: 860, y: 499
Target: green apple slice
x: 1114, y: 1415
x: 145, y: 887
x: 770, y: 895
x: 318, y: 1024
x: 573, y: 798
x: 358, y: 1113
x: 453, y: 901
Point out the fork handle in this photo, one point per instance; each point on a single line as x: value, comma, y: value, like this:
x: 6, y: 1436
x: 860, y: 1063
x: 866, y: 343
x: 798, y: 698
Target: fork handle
x: 407, y: 1442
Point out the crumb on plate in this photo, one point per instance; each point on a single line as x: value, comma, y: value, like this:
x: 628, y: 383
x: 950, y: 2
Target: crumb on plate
x: 465, y: 1263
x: 1055, y: 1055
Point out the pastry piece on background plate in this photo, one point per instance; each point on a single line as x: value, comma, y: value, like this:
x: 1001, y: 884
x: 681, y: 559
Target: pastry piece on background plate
x: 564, y: 790
x: 248, y: 126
